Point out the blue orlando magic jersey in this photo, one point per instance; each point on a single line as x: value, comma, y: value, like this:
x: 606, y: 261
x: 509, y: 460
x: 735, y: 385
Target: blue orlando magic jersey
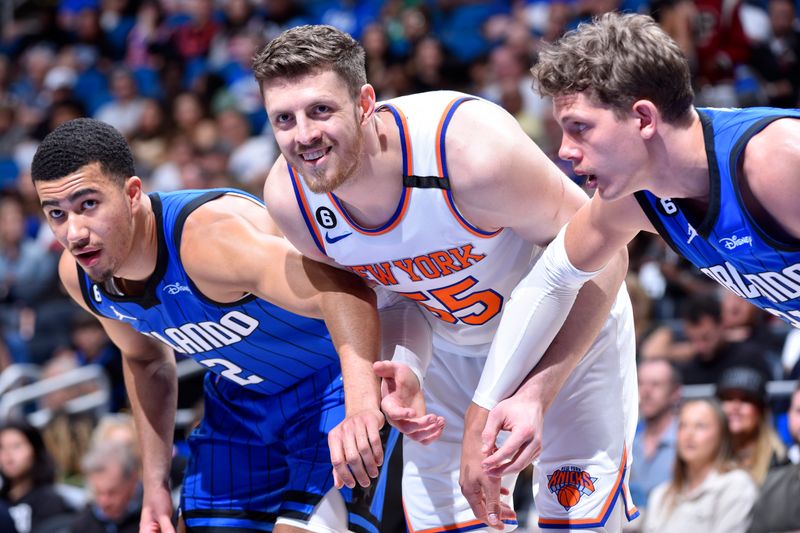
x: 727, y: 244
x: 250, y: 342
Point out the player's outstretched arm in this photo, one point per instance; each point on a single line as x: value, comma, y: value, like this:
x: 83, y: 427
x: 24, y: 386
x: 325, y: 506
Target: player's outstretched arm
x: 406, y: 352
x: 510, y: 183
x: 229, y: 251
x: 152, y: 386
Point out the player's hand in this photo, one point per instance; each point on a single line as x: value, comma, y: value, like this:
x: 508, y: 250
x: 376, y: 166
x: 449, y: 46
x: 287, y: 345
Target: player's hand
x: 403, y: 403
x: 356, y: 448
x: 523, y: 419
x: 481, y: 490
x: 156, y: 511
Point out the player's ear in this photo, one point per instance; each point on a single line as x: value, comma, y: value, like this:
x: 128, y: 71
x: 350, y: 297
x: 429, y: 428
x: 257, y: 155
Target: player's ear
x: 366, y: 102
x: 133, y: 191
x: 648, y: 116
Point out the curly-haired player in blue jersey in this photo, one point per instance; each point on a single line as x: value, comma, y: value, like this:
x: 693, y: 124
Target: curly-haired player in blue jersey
x: 719, y: 185
x: 204, y: 273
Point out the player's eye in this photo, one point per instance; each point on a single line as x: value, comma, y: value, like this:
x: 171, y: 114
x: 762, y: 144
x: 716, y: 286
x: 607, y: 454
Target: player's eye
x: 89, y: 204
x: 578, y: 127
x: 55, y: 214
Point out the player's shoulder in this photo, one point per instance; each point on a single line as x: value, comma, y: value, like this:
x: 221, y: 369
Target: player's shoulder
x: 478, y: 123
x: 776, y: 142
x: 484, y: 142
x: 220, y: 218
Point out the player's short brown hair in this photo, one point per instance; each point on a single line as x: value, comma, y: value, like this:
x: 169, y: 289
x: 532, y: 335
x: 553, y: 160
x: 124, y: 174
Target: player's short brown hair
x: 618, y: 59
x: 309, y: 49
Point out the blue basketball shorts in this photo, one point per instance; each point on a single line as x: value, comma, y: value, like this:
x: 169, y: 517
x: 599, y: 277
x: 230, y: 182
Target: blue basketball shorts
x: 255, y: 458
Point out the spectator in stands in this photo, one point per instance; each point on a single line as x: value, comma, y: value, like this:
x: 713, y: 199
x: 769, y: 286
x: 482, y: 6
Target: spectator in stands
x: 149, y: 140
x: 191, y: 119
x: 26, y: 270
x: 776, y: 508
x: 125, y: 110
x: 705, y: 493
x: 777, y: 61
x: 91, y: 346
x: 192, y: 38
x: 112, y: 477
x: 66, y: 435
x: 654, y: 443
x: 27, y: 473
x: 119, y: 428
x: 712, y: 354
x: 756, y: 445
x: 251, y: 157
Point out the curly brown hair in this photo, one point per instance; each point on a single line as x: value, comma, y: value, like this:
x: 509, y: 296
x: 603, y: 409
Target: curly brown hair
x: 618, y: 59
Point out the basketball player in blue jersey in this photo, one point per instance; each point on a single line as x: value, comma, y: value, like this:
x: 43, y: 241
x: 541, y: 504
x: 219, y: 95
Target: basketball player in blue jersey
x: 719, y: 185
x: 441, y: 199
x: 204, y: 273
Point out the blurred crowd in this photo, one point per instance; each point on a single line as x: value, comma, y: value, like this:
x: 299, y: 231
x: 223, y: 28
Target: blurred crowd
x: 174, y: 77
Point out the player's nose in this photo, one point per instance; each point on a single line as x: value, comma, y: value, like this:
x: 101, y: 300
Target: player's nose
x: 568, y: 151
x: 77, y: 230
x: 307, y: 132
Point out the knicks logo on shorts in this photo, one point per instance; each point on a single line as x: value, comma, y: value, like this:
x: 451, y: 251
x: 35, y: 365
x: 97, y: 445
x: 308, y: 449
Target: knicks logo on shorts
x: 569, y: 483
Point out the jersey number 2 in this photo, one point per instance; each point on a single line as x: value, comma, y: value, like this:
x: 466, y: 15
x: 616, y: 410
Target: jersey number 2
x: 232, y: 372
x: 453, y: 299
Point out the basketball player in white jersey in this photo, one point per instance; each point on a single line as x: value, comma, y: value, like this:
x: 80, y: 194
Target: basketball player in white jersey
x: 441, y: 199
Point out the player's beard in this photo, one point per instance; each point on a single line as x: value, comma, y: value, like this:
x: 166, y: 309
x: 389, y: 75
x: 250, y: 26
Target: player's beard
x: 348, y: 163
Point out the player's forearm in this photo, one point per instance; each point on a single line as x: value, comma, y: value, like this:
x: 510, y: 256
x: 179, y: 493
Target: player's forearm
x: 153, y: 391
x: 579, y: 331
x: 407, y: 337
x: 533, y: 315
x: 352, y: 319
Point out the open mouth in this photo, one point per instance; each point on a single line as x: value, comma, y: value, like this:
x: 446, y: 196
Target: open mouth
x: 88, y: 258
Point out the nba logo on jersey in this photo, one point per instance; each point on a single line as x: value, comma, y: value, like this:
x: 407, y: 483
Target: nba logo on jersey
x: 569, y: 483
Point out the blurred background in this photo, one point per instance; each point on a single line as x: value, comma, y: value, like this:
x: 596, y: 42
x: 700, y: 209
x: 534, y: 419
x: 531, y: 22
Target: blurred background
x: 174, y: 77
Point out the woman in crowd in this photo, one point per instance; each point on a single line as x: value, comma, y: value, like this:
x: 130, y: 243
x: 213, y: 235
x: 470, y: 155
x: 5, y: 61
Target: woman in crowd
x: 705, y: 492
x: 27, y: 474
x: 757, y: 447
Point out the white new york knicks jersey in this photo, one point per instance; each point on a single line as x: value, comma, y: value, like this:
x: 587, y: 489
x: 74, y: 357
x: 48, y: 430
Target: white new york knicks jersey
x: 426, y: 251
x: 463, y: 275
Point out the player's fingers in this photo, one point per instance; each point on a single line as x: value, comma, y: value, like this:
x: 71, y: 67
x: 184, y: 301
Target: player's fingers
x: 165, y: 524
x: 352, y: 458
x: 506, y: 512
x: 394, y: 411
x: 376, y: 444
x: 429, y: 433
x: 507, y: 452
x: 491, y: 495
x: 490, y: 432
x: 341, y: 473
x: 366, y: 455
x: 384, y: 369
x: 475, y: 500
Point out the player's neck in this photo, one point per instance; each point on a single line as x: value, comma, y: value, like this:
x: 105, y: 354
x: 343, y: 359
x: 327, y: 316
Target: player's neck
x: 683, y: 169
x: 143, y: 255
x: 372, y: 194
